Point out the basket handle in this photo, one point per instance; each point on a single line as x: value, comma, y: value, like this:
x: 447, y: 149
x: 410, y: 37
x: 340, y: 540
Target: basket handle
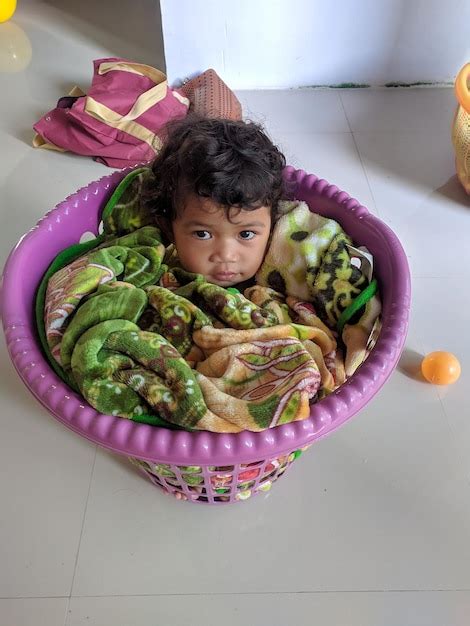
x: 462, y: 90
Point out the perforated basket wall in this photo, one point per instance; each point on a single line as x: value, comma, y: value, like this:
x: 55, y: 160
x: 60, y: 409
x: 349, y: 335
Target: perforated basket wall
x: 218, y: 483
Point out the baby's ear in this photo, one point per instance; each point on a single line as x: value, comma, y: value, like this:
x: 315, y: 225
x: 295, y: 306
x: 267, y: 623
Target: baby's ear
x: 164, y: 224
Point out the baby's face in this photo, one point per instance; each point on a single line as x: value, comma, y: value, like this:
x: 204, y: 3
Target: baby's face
x: 225, y: 252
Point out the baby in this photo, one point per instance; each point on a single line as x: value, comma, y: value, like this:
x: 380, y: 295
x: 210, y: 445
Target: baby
x: 215, y: 194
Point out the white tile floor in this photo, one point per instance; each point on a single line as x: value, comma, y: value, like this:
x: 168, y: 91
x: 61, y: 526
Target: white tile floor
x: 373, y: 525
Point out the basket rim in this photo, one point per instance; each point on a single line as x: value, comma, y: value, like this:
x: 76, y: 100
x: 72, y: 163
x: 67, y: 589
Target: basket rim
x: 180, y: 447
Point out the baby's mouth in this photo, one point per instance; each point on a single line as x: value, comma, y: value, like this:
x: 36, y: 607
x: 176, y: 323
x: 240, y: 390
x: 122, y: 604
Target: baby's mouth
x: 224, y: 276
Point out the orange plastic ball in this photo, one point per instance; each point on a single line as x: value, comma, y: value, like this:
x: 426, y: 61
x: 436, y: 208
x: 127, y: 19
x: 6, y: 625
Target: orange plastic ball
x: 441, y: 368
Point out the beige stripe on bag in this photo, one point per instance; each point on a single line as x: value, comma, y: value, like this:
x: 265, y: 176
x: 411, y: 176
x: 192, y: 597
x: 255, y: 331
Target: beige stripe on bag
x: 115, y: 120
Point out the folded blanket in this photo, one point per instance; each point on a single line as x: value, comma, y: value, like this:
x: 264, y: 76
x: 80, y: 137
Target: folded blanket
x: 124, y: 211
x: 122, y: 370
x: 309, y: 259
x: 135, y: 258
x: 143, y: 339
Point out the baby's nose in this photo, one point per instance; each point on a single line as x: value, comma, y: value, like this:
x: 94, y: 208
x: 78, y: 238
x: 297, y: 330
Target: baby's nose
x: 225, y: 251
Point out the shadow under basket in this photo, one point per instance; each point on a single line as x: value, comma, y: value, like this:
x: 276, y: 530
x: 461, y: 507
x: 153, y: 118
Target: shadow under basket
x: 202, y: 467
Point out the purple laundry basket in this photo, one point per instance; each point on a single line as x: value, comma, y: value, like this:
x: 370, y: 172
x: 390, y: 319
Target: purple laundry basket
x: 202, y: 467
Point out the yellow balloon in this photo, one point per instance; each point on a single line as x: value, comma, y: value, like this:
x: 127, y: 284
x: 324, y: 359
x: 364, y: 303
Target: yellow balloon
x: 15, y: 48
x: 7, y: 8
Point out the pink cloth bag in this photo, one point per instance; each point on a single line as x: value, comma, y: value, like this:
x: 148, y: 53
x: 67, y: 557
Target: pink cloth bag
x: 118, y: 122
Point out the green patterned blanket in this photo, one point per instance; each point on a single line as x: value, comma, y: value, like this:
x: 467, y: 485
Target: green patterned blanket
x: 141, y: 338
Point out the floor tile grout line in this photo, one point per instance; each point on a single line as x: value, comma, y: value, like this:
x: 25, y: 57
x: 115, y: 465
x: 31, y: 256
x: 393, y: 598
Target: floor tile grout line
x: 375, y: 131
x: 66, y: 611
x: 34, y: 597
x: 304, y: 133
x: 81, y: 533
x: 345, y: 114
x: 238, y: 593
x: 369, y: 131
x: 360, y: 157
x: 266, y: 593
x: 366, y: 176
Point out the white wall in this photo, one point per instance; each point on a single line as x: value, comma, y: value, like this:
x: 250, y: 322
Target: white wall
x: 294, y: 43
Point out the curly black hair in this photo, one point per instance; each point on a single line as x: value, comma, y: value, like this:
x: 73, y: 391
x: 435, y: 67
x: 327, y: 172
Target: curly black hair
x: 233, y: 163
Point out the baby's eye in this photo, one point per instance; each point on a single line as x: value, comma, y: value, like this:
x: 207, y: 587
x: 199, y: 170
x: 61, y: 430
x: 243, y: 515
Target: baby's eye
x: 202, y: 234
x: 247, y: 234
